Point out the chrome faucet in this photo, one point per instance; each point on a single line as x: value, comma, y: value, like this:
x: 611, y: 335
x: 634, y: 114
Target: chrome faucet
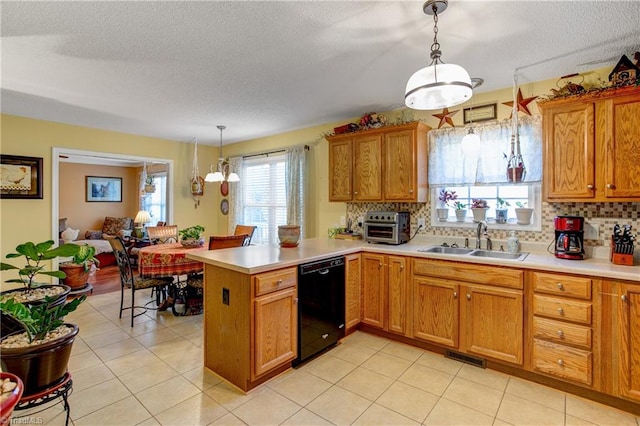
x: 482, y: 229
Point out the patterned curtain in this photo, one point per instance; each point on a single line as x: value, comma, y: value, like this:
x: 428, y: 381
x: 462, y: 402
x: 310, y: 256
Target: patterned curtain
x: 295, y: 182
x: 235, y: 195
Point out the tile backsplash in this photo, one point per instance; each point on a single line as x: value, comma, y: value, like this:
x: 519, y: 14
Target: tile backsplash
x: 603, y: 214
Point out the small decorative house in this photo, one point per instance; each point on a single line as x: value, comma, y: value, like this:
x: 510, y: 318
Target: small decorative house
x: 625, y: 72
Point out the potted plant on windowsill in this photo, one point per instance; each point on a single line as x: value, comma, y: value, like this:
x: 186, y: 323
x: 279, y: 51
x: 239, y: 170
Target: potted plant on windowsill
x: 479, y: 208
x: 502, y: 210
x: 446, y: 197
x: 523, y: 214
x: 77, y: 270
x: 461, y: 211
x: 40, y: 351
x: 191, y: 236
x: 149, y: 185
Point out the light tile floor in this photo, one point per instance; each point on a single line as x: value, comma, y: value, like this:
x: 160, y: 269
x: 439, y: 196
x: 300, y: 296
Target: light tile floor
x: 152, y: 374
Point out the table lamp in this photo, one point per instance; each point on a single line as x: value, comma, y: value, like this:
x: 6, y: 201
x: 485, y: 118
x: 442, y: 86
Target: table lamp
x: 142, y: 217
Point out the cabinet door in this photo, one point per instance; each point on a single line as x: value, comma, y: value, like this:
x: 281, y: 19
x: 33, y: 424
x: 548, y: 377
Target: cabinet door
x: 494, y: 323
x: 569, y: 144
x: 367, y: 176
x: 275, y: 330
x: 622, y: 161
x: 400, y: 164
x: 373, y: 286
x: 435, y: 310
x: 340, y: 165
x: 353, y: 291
x: 398, y: 278
x: 629, y: 341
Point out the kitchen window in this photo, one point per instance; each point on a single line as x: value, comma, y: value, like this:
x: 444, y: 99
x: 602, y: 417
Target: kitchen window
x: 155, y: 203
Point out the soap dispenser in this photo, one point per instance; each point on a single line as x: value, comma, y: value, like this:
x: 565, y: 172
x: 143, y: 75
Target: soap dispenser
x: 513, y: 244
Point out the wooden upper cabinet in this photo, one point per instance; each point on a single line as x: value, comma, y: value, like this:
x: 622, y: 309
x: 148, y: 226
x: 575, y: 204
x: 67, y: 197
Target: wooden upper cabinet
x: 389, y: 163
x: 592, y: 147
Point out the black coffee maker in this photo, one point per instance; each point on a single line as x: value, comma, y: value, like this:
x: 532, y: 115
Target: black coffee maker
x: 569, y: 237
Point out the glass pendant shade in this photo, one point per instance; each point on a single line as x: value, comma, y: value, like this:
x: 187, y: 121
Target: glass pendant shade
x: 438, y: 86
x: 233, y: 177
x: 471, y: 143
x: 214, y: 176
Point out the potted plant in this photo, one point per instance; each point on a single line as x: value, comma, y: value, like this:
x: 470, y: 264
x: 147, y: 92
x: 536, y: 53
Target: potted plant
x: 191, y: 236
x: 12, y: 388
x: 479, y: 209
x: 523, y: 214
x: 502, y: 210
x: 39, y: 353
x: 149, y: 185
x: 77, y: 270
x: 446, y: 197
x: 461, y: 210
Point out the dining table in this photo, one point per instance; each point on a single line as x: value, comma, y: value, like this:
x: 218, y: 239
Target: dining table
x: 163, y: 260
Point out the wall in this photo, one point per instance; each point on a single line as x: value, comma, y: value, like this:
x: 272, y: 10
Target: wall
x: 85, y: 215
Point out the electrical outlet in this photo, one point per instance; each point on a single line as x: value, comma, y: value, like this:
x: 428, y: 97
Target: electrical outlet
x: 421, y: 223
x: 360, y: 221
x: 591, y: 231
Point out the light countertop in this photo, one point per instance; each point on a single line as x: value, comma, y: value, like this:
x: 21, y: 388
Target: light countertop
x: 261, y: 258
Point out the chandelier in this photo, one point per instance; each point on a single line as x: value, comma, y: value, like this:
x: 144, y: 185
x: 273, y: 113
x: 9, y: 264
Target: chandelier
x: 223, y: 171
x: 439, y: 85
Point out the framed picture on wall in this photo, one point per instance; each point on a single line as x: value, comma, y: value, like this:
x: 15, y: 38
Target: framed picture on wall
x: 104, y: 189
x: 20, y: 177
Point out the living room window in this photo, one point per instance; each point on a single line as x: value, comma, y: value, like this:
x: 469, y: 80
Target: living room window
x: 156, y: 202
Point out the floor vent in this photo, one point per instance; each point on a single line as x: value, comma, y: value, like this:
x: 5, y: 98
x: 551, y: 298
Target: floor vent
x: 478, y: 362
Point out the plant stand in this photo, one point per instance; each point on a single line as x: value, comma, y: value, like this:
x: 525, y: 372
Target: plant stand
x: 60, y: 390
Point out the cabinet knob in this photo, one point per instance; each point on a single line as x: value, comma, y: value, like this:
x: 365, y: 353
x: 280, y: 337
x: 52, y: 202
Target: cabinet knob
x: 623, y: 297
x: 402, y: 267
x: 589, y: 187
x: 560, y: 333
x: 561, y: 311
x: 611, y: 186
x: 468, y: 296
x: 380, y: 265
x: 560, y: 286
x: 295, y: 300
x: 278, y: 283
x: 560, y: 362
x: 411, y: 191
x: 355, y: 192
x: 455, y: 294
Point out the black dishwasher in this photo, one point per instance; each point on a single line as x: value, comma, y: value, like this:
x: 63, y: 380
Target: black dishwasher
x: 320, y: 306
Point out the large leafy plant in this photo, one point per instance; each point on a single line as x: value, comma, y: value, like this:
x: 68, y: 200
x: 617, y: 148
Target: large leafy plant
x: 34, y: 255
x: 38, y: 320
x: 85, y: 256
x: 192, y: 232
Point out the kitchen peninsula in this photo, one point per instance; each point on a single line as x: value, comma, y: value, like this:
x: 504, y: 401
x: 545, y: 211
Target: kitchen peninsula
x: 568, y: 324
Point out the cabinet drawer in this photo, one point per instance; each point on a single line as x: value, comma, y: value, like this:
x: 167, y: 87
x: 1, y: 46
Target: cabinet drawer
x: 481, y: 274
x: 276, y: 280
x: 562, y: 332
x: 562, y: 361
x: 563, y: 309
x: 578, y: 287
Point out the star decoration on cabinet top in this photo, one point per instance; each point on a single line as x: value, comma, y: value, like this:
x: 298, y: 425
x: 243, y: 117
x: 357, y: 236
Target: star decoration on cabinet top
x: 445, y: 117
x: 522, y: 103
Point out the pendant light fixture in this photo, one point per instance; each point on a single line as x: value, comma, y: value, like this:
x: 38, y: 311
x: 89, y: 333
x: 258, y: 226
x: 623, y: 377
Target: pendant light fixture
x: 223, y: 171
x: 471, y: 141
x: 439, y: 85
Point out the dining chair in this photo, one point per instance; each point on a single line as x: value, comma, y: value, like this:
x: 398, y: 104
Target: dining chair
x: 215, y: 243
x: 245, y: 229
x: 128, y: 280
x: 163, y: 234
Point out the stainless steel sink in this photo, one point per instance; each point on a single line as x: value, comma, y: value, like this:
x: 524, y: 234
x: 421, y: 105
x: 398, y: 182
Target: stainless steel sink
x: 446, y: 250
x: 498, y: 254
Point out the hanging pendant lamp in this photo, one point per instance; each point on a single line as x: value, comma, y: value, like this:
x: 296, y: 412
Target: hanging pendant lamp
x: 439, y: 85
x: 471, y: 141
x: 223, y: 171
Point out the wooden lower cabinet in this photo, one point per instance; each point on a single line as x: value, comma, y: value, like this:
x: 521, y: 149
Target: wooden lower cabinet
x: 436, y: 311
x: 385, y: 292
x: 353, y: 291
x: 628, y: 340
x: 493, y: 322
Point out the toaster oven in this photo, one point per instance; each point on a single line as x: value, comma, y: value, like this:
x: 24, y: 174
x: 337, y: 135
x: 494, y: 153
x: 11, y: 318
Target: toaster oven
x: 387, y: 227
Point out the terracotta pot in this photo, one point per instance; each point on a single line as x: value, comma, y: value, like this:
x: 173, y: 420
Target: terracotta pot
x: 76, y: 275
x: 40, y: 366
x: 289, y: 235
x: 515, y: 174
x: 6, y: 409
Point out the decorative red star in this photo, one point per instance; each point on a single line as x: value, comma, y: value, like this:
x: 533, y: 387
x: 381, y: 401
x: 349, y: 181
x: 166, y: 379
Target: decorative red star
x: 445, y: 117
x: 522, y: 103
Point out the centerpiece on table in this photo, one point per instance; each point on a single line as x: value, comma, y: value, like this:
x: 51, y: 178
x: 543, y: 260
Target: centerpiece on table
x: 502, y: 210
x: 479, y: 208
x: 192, y: 236
x: 446, y: 198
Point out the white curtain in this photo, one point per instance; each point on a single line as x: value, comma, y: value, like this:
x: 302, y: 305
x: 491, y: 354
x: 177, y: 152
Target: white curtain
x: 236, y: 214
x: 295, y: 185
x: 452, y: 165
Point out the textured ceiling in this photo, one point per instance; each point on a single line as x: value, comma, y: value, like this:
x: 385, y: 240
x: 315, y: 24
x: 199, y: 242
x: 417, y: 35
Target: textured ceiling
x: 177, y: 69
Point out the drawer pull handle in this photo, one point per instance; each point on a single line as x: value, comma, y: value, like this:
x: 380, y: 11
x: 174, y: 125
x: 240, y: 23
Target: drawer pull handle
x: 325, y: 336
x: 611, y: 186
x: 589, y: 187
x: 468, y: 296
x: 560, y: 311
x: 560, y: 362
x: 455, y: 294
x: 278, y: 283
x: 560, y: 333
x: 560, y: 286
x: 623, y: 297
